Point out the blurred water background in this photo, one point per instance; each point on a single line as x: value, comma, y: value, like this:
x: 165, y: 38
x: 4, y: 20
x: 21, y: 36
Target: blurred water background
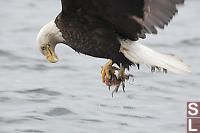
x: 68, y: 97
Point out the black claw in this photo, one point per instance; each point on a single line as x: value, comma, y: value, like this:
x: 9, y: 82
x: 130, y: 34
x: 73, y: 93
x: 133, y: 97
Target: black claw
x: 153, y: 69
x: 158, y: 68
x: 138, y: 66
x: 130, y: 75
x: 164, y: 70
x: 124, y: 90
x: 109, y: 88
x: 113, y: 94
x: 123, y: 87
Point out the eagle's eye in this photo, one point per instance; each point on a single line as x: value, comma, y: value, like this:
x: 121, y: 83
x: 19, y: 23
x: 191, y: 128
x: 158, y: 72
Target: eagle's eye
x: 43, y: 47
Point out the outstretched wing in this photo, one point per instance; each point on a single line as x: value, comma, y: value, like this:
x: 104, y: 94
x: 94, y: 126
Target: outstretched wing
x: 158, y: 13
x: 130, y: 18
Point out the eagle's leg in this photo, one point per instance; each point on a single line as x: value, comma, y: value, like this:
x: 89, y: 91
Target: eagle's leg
x: 108, y: 71
x: 121, y: 77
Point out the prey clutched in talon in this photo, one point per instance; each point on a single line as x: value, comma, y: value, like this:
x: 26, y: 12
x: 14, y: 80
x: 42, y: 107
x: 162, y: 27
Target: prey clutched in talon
x: 110, y: 79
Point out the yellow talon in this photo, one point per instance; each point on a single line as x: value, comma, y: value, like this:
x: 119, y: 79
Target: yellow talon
x: 121, y: 77
x: 115, y: 90
x: 108, y: 70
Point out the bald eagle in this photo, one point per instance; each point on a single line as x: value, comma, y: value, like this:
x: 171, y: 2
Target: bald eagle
x: 110, y: 29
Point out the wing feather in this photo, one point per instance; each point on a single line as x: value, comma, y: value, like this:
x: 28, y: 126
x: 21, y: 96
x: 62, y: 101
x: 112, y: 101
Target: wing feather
x: 132, y: 19
x: 158, y: 13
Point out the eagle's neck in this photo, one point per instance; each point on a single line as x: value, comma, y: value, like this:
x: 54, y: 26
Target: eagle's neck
x: 50, y: 34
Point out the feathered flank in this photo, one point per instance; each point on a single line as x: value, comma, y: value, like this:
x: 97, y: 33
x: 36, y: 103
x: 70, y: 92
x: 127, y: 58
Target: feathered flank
x: 141, y: 54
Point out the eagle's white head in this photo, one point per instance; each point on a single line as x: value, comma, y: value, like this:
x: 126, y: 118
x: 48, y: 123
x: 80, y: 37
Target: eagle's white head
x: 47, y: 39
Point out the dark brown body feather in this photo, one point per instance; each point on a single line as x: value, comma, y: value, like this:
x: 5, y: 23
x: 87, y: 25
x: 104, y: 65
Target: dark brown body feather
x: 93, y: 27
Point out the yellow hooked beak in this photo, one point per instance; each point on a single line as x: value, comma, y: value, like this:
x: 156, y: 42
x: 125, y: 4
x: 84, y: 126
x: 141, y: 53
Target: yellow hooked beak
x: 51, y: 56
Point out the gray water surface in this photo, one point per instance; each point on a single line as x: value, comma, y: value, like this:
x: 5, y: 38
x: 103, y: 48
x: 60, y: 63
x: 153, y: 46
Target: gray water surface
x: 68, y: 97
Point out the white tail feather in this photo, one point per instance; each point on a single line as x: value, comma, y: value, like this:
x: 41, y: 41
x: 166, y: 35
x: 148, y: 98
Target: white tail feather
x: 140, y: 54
